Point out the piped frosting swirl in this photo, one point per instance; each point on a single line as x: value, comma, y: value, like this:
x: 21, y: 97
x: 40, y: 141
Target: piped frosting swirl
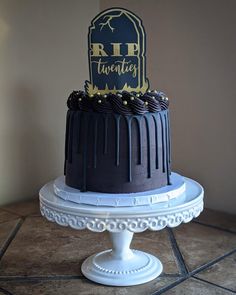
x: 123, y: 103
x: 161, y: 97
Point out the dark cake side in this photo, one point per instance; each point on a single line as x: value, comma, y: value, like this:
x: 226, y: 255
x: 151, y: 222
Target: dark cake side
x: 117, y: 143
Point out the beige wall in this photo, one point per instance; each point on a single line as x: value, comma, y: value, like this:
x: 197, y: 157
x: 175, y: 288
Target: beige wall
x: 43, y: 56
x: 192, y: 56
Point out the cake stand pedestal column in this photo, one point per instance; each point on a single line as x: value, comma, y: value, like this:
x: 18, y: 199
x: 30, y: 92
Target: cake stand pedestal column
x: 122, y: 266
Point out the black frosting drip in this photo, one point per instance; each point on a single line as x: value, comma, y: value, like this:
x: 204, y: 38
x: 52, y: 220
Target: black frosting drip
x: 153, y: 152
x: 124, y: 103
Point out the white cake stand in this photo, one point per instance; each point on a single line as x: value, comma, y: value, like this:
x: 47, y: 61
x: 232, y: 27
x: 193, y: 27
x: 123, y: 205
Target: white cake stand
x: 122, y: 266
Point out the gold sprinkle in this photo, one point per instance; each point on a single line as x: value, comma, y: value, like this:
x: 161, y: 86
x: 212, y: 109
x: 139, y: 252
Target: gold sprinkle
x: 153, y: 97
x: 155, y: 91
x: 80, y: 99
x: 131, y: 98
x: 125, y: 102
x: 149, y: 91
x: 120, y: 95
x: 91, y: 95
x: 98, y: 93
x: 99, y: 101
x: 167, y: 98
x: 105, y: 96
x: 146, y: 103
x: 137, y: 95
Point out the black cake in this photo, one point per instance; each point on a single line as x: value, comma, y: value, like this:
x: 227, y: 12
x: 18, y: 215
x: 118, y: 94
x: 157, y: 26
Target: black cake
x: 117, y: 131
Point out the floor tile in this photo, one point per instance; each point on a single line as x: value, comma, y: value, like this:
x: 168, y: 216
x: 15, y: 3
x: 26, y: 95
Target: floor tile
x: 222, y: 273
x: 30, y: 207
x: 45, y: 248
x: 6, y: 229
x: 219, y: 219
x: 7, y: 216
x: 158, y: 244
x: 196, y: 287
x: 82, y: 287
x: 200, y: 244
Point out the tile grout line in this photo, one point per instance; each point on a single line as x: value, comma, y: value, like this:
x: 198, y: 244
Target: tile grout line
x: 180, y: 260
x: 62, y: 277
x: 170, y: 275
x: 9, y: 211
x: 167, y: 288
x: 9, y: 220
x: 161, y: 291
x: 214, y: 261
x: 215, y: 227
x: 191, y: 274
x: 173, y: 243
x: 11, y: 237
x: 213, y: 284
x: 17, y: 214
x: 5, y: 292
x: 14, y: 212
x: 39, y: 278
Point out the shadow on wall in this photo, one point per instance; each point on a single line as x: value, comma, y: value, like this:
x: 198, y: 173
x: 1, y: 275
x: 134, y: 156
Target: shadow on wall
x: 29, y: 149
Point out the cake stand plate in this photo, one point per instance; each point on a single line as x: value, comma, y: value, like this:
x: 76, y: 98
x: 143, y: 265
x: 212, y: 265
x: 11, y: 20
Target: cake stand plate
x: 122, y: 266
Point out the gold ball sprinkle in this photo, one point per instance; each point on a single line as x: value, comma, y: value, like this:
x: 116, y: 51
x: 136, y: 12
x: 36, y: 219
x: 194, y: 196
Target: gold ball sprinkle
x: 137, y: 95
x: 98, y: 93
x: 167, y: 98
x: 91, y: 95
x: 105, y: 96
x: 149, y: 91
x: 120, y: 95
x: 125, y: 102
x: 155, y: 91
x: 131, y: 98
x: 146, y: 103
x: 99, y: 101
x: 153, y: 97
x: 80, y: 99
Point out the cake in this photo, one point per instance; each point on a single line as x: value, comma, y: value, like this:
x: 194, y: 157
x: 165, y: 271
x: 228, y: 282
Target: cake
x: 117, y: 130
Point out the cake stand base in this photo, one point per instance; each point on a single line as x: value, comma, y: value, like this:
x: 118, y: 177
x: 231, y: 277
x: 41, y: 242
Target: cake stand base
x: 122, y: 266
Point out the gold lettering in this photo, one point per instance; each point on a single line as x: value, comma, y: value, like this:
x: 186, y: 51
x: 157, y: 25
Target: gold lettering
x: 119, y: 67
x: 97, y: 49
x: 133, y: 49
x: 116, y: 49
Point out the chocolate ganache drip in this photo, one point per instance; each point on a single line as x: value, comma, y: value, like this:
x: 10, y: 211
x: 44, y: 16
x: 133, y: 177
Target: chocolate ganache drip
x: 123, y: 103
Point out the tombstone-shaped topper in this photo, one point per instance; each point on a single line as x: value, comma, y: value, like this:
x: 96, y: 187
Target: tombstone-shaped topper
x: 116, y: 51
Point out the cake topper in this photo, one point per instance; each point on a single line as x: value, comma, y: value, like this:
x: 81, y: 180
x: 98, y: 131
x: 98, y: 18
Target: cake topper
x: 116, y: 52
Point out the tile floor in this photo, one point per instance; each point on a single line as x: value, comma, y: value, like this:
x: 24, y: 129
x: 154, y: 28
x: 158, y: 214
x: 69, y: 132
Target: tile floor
x: 39, y: 257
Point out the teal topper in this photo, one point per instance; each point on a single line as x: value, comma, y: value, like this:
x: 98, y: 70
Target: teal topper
x: 116, y: 52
